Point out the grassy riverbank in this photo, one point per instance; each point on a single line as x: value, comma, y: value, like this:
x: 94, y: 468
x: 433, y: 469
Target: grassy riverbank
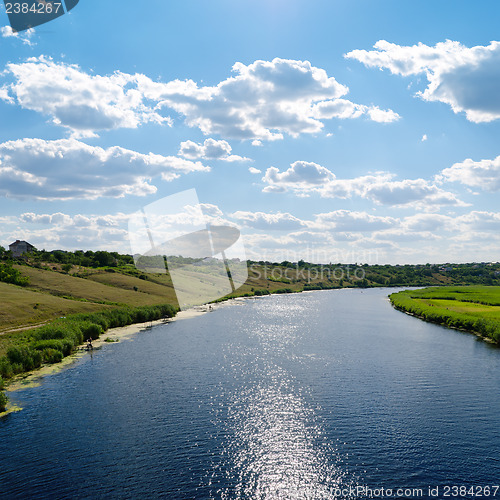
x: 50, y: 343
x: 475, y: 309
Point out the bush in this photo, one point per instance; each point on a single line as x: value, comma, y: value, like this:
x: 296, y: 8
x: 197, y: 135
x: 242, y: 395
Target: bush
x: 55, y: 331
x: 3, y: 401
x: 64, y: 346
x: 98, y: 318
x: 91, y: 330
x: 10, y: 275
x: 52, y: 355
x: 5, y: 368
x: 24, y: 359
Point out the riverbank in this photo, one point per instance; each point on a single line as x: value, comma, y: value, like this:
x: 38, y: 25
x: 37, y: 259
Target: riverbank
x: 33, y: 378
x: 471, y: 309
x: 52, y: 343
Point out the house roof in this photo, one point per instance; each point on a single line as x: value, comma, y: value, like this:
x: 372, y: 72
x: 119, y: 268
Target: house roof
x: 21, y: 241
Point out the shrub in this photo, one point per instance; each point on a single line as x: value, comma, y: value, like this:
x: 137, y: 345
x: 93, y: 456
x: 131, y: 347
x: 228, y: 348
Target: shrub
x: 90, y: 330
x: 24, y: 359
x: 65, y: 346
x: 66, y: 268
x: 3, y: 401
x: 10, y: 275
x: 100, y: 319
x: 5, y: 367
x: 52, y: 355
x: 55, y: 331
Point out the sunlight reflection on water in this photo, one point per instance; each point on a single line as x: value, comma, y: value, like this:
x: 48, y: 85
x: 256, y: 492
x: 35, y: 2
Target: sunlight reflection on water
x: 275, y: 447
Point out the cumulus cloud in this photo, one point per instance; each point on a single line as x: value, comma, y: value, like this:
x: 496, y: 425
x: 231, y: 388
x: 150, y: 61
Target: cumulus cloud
x: 428, y: 223
x: 81, y: 102
x: 353, y: 221
x: 343, y: 109
x: 305, y: 178
x: 467, y: 79
x: 262, y: 101
x: 69, y: 169
x: 484, y: 174
x: 418, y: 192
x: 4, y: 95
x: 261, y: 220
x: 24, y: 37
x: 209, y: 150
x: 254, y: 170
x: 480, y: 221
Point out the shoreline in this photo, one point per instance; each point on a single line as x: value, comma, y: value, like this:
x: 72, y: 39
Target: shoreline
x: 35, y: 377
x: 421, y: 318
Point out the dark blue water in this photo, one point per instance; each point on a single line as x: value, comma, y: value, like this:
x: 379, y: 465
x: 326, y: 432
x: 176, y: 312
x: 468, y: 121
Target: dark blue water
x: 292, y: 396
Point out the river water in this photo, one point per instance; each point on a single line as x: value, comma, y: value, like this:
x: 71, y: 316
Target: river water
x: 307, y: 396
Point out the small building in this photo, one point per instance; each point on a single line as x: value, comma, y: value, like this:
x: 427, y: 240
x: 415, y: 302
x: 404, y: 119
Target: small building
x: 19, y: 248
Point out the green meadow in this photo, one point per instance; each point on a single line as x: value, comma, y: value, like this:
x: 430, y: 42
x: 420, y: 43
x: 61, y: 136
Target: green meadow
x: 473, y: 308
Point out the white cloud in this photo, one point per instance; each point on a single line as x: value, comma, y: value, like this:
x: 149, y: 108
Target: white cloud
x: 352, y: 221
x: 382, y: 115
x: 74, y: 99
x: 254, y: 170
x: 424, y: 137
x: 484, y: 174
x: 263, y: 101
x: 341, y: 108
x: 301, y: 174
x: 24, y: 37
x: 305, y: 178
x: 480, y: 221
x: 467, y: 79
x: 4, y: 95
x: 428, y: 222
x: 209, y: 150
x: 69, y: 169
x: 260, y: 220
x: 419, y: 192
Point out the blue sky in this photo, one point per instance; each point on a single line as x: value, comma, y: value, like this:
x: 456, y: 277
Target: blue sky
x: 352, y: 131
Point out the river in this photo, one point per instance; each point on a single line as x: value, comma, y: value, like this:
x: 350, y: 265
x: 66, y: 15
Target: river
x: 305, y: 396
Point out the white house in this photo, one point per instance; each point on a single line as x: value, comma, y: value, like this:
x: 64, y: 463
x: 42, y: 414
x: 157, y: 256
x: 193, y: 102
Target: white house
x: 18, y: 248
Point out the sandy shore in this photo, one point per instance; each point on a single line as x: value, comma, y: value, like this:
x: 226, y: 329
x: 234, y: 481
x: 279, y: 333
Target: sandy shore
x: 123, y: 332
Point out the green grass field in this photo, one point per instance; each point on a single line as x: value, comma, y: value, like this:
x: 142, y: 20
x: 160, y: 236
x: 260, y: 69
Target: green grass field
x: 472, y: 308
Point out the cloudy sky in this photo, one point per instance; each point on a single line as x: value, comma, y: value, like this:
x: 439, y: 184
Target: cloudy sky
x: 328, y: 130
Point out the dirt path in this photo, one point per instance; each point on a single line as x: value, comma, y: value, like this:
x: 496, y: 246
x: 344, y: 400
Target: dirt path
x: 20, y: 329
